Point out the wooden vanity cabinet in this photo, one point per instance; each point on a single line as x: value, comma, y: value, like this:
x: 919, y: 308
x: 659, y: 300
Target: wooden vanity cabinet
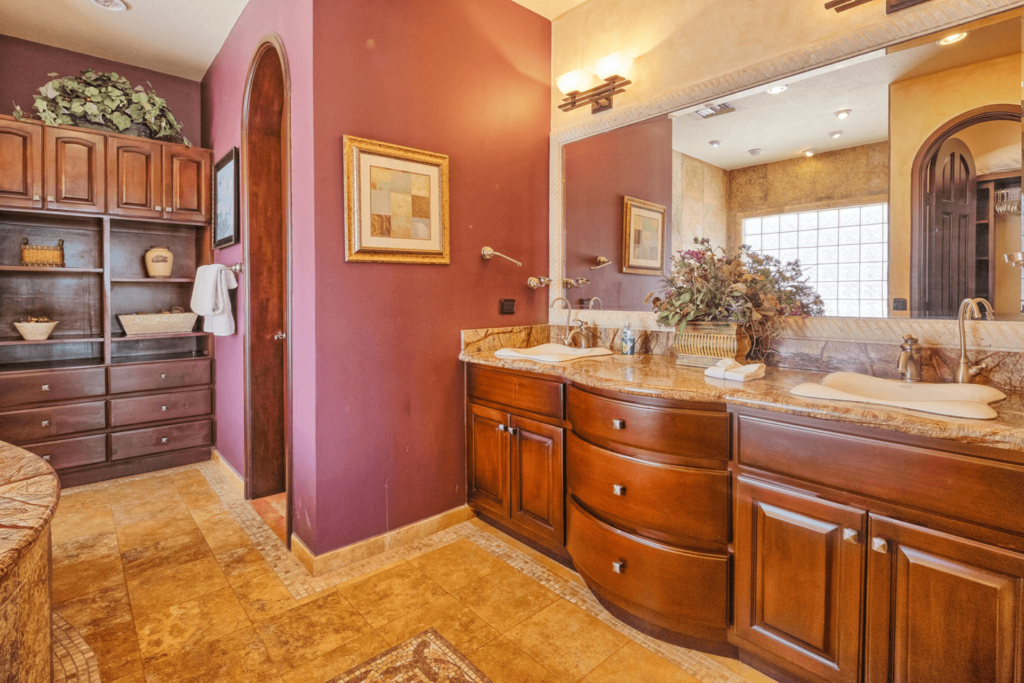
x: 21, y: 164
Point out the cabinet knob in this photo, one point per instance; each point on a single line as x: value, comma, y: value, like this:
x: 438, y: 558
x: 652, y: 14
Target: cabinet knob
x: 52, y: 200
x: 164, y: 439
x: 851, y: 536
x: 46, y: 423
x: 618, y: 424
x: 618, y: 489
x: 45, y: 457
x: 159, y: 208
x: 619, y: 567
x: 163, y: 375
x: 502, y: 428
x: 46, y: 387
x: 163, y: 409
x: 513, y: 430
x: 879, y: 545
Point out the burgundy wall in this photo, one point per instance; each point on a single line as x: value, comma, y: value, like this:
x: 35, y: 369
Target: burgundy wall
x: 466, y: 78
x: 222, y: 89
x: 634, y: 161
x: 25, y: 66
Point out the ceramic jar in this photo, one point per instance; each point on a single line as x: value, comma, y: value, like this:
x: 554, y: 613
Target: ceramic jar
x: 159, y: 262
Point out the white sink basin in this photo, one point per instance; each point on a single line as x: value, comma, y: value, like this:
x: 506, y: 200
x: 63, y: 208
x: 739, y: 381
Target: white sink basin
x: 551, y: 353
x: 954, y: 400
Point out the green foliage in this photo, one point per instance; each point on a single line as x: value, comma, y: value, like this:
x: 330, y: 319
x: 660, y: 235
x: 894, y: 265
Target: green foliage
x: 105, y: 100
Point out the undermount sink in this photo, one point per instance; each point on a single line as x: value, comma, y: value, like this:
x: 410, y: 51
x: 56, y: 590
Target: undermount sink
x: 551, y: 353
x: 954, y: 400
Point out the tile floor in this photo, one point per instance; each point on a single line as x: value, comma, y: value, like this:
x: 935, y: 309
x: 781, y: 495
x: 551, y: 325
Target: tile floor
x: 171, y: 577
x: 272, y: 510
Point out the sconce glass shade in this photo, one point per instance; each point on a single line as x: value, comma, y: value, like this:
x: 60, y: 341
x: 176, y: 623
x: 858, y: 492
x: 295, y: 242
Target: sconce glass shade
x: 577, y: 80
x: 615, y: 64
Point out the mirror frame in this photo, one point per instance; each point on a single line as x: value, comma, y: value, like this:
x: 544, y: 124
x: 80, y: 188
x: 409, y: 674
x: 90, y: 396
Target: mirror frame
x: 896, y: 29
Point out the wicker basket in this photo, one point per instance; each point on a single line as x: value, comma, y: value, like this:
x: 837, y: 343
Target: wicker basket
x: 142, y: 324
x: 35, y: 331
x: 42, y: 257
x: 704, y: 344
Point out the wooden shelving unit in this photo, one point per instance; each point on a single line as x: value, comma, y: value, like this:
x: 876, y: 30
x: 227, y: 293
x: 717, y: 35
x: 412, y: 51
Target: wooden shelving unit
x: 985, y: 231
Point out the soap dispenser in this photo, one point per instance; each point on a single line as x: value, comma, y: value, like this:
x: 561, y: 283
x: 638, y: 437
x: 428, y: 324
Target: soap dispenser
x: 628, y: 340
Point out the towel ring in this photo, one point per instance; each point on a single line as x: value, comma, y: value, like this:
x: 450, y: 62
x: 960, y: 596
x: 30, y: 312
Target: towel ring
x: 236, y: 269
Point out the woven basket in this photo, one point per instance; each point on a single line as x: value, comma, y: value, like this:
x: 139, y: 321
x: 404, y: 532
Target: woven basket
x: 35, y: 331
x: 704, y: 344
x: 142, y: 324
x: 42, y: 257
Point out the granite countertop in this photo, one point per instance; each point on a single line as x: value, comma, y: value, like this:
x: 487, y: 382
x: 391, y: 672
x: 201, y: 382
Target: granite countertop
x: 29, y: 490
x: 660, y: 377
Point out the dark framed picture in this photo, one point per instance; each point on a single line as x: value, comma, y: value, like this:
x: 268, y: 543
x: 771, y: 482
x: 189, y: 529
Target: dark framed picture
x: 225, y: 201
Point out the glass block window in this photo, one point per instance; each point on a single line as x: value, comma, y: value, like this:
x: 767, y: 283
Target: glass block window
x: 843, y: 252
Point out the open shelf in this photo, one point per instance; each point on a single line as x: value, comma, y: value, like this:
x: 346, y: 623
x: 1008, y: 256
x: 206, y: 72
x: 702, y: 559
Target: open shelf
x: 152, y: 280
x: 61, y: 271
x: 69, y: 339
x: 169, y: 335
x: 63, y: 364
x: 158, y: 357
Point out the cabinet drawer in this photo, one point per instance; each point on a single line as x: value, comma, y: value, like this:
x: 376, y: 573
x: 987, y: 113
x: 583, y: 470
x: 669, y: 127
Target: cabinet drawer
x: 676, y: 589
x: 672, y: 431
x: 129, y: 411
x: 529, y: 394
x: 40, y: 424
x: 666, y: 500
x: 154, y: 376
x: 72, y: 452
x: 38, y: 387
x: 160, y: 439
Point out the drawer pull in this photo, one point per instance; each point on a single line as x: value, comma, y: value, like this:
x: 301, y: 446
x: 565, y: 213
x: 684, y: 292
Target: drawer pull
x: 158, y: 208
x: 618, y: 424
x: 513, y: 430
x: 46, y: 423
x: 164, y: 439
x: 163, y: 375
x: 618, y: 489
x: 619, y: 567
x: 851, y: 536
x: 51, y: 199
x: 46, y: 387
x: 879, y: 545
x: 163, y: 409
x: 36, y: 198
x: 502, y: 428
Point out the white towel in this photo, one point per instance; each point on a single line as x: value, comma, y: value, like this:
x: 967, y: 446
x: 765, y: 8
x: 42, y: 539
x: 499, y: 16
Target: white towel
x: 727, y: 368
x: 210, y: 299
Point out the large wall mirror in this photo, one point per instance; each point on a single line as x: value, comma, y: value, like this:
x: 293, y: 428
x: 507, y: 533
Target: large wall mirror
x: 894, y: 177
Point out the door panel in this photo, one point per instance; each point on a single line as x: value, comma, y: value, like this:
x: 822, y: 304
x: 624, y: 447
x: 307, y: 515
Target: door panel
x: 799, y: 578
x: 537, y: 474
x: 187, y: 184
x: 21, y: 164
x: 487, y: 463
x: 76, y: 167
x: 942, y: 608
x: 134, y: 178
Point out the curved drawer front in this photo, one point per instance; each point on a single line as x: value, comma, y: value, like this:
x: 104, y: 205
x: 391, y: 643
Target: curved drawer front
x: 673, y: 431
x: 156, y: 376
x: 45, y: 387
x: 41, y: 424
x: 666, y: 499
x: 679, y: 590
x: 128, y: 411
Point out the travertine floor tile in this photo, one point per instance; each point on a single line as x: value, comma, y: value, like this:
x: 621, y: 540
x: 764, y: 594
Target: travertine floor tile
x: 82, y: 523
x: 117, y: 651
x: 165, y: 554
x: 221, y: 530
x: 566, y: 641
x: 391, y: 594
x: 635, y: 664
x: 305, y: 632
x: 456, y: 565
x: 238, y: 657
x: 149, y: 509
x: 263, y: 595
x: 79, y: 578
x: 338, y: 660
x: 458, y: 624
x: 98, y: 610
x: 503, y: 662
x: 150, y: 531
x: 158, y: 590
x: 505, y: 597
x: 748, y: 673
x: 165, y: 632
x: 555, y: 568
x: 242, y: 564
x: 80, y: 548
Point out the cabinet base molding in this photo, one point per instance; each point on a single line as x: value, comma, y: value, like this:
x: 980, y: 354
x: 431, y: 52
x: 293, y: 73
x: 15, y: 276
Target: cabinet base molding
x: 342, y: 557
x: 561, y: 558
x: 126, y: 468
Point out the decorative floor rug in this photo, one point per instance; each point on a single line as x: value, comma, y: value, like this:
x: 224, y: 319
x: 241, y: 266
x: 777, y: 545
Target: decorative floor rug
x: 424, y: 658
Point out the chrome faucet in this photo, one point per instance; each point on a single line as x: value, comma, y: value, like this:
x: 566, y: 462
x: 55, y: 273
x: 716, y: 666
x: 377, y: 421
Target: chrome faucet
x: 569, y: 335
x: 967, y: 371
x: 909, y: 363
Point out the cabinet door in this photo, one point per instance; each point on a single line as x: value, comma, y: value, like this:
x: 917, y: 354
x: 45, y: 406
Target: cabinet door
x: 186, y: 184
x: 799, y: 578
x: 21, y: 164
x: 487, y: 444
x: 76, y: 167
x: 942, y: 608
x: 135, y: 178
x: 537, y: 472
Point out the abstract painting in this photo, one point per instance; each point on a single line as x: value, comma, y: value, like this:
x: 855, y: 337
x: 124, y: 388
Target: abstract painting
x: 396, y: 204
x: 643, y: 237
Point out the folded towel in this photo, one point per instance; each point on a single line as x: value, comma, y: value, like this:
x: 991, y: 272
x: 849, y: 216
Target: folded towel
x: 727, y: 368
x: 210, y: 299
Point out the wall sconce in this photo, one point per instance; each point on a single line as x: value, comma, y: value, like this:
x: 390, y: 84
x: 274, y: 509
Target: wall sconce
x: 612, y: 70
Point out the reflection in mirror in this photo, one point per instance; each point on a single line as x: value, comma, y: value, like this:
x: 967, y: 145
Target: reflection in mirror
x: 894, y: 177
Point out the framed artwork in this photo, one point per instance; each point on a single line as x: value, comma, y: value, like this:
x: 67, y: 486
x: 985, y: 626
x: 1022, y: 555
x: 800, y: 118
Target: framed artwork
x: 225, y: 201
x: 643, y: 237
x: 396, y: 204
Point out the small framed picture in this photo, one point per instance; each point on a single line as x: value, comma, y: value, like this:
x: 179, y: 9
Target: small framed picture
x: 396, y: 204
x: 225, y: 201
x: 643, y: 237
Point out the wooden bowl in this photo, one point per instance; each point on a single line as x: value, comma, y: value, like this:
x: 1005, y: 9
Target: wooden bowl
x: 35, y: 331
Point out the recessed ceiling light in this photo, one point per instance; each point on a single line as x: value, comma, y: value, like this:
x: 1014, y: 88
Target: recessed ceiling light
x: 810, y: 152
x: 776, y: 89
x: 754, y: 152
x: 843, y: 113
x: 953, y: 38
x: 715, y: 143
x: 112, y: 5
x: 836, y: 134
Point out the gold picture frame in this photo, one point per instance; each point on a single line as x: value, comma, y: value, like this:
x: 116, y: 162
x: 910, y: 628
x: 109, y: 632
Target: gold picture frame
x: 396, y: 204
x: 642, y: 222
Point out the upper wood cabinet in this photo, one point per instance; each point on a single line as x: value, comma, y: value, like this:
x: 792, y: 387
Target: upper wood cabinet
x: 187, y: 184
x: 135, y: 177
x: 21, y: 164
x: 942, y: 608
x: 76, y: 170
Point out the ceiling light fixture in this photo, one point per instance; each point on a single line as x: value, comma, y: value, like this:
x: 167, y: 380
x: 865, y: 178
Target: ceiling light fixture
x: 715, y: 143
x: 810, y: 152
x: 836, y: 134
x: 112, y: 5
x: 776, y: 89
x: 754, y: 152
x: 843, y: 114
x: 953, y: 38
x: 613, y: 70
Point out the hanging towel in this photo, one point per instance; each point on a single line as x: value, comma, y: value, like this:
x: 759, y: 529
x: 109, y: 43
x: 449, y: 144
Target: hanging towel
x: 210, y: 299
x: 728, y: 368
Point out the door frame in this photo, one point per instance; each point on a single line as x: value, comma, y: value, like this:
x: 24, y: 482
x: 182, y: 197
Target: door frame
x: 269, y: 42
x: 990, y: 112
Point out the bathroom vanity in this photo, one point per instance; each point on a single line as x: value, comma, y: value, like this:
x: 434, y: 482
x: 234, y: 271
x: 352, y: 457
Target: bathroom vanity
x: 817, y: 541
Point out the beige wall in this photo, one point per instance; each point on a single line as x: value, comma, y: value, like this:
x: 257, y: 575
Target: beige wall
x: 700, y: 197
x: 856, y: 175
x: 917, y: 108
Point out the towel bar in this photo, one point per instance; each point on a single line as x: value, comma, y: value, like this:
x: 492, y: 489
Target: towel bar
x: 236, y: 269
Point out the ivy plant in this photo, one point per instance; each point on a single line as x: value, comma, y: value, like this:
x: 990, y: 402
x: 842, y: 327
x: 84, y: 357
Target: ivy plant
x: 105, y: 100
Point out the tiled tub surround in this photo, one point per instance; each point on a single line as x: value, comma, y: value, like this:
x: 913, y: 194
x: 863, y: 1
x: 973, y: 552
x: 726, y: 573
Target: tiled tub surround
x: 29, y: 490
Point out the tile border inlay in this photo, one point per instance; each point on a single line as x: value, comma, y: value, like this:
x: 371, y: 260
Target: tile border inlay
x: 73, y: 659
